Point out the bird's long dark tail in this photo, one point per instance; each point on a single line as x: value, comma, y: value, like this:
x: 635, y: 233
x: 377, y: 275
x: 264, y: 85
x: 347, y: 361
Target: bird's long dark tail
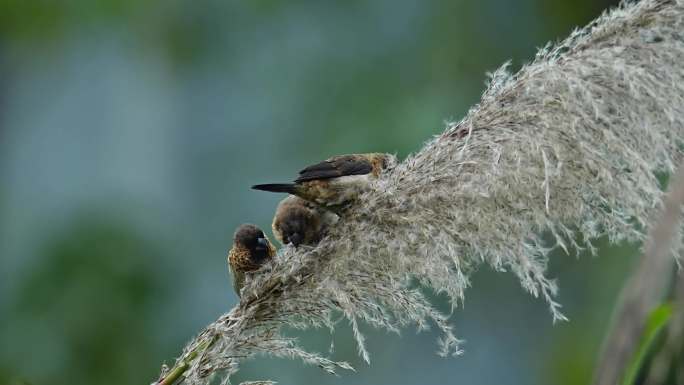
x: 276, y: 187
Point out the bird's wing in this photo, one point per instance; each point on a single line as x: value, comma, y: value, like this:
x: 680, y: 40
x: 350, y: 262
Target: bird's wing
x: 336, y: 167
x: 238, y: 279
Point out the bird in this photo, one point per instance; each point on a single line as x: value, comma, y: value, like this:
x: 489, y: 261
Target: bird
x: 300, y: 222
x: 251, y: 249
x: 335, y: 182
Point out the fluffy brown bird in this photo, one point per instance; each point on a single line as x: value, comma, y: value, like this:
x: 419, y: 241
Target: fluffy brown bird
x: 336, y: 181
x: 301, y: 222
x: 251, y: 249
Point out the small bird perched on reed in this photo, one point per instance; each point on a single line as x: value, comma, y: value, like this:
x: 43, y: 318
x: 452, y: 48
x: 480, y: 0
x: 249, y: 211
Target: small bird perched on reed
x: 301, y: 222
x: 251, y: 249
x: 334, y: 182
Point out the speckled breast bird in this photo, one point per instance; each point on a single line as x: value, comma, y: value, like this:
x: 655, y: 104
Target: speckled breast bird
x: 336, y: 181
x: 300, y: 222
x: 251, y: 249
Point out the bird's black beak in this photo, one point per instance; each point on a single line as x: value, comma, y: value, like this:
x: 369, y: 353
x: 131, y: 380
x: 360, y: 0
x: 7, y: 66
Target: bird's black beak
x: 295, y: 239
x: 262, y: 244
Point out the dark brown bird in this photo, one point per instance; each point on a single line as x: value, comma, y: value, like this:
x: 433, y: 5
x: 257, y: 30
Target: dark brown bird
x: 336, y: 181
x: 301, y: 222
x: 251, y: 249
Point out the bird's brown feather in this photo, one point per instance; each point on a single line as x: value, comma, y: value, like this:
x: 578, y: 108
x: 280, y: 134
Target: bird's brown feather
x: 299, y: 221
x: 241, y: 260
x: 244, y: 257
x: 337, y: 181
x: 336, y: 167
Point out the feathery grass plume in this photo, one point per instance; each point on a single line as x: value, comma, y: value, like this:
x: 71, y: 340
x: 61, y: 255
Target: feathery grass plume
x: 568, y: 146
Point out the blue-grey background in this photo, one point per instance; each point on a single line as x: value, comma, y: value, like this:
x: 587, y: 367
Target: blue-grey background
x: 130, y: 132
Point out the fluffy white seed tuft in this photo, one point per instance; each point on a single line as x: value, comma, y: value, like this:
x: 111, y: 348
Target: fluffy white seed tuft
x: 566, y: 149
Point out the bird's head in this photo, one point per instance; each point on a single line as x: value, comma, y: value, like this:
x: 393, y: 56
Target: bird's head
x: 253, y: 239
x: 293, y: 230
x: 381, y: 162
x: 297, y: 225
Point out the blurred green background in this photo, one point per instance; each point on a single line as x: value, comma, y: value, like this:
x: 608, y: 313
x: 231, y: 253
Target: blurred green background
x: 130, y: 132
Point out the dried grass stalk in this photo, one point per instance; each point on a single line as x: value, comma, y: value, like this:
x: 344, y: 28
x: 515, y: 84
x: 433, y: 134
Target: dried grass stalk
x: 568, y: 147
